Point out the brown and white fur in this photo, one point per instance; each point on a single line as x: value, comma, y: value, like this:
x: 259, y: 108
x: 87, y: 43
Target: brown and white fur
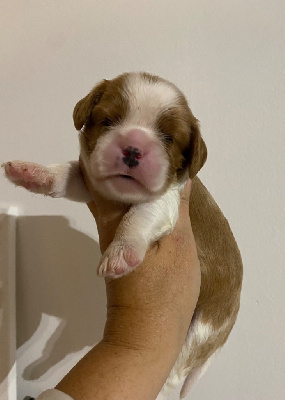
x: 139, y: 144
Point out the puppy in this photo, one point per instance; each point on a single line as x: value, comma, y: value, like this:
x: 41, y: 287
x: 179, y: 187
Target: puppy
x: 139, y: 144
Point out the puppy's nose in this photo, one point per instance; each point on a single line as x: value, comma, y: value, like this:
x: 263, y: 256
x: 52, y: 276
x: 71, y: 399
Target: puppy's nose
x: 132, y: 156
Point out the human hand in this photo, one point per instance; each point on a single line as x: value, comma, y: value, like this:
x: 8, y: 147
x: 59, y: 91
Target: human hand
x: 148, y: 313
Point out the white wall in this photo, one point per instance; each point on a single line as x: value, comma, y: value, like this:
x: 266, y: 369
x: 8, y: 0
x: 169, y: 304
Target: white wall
x: 228, y: 58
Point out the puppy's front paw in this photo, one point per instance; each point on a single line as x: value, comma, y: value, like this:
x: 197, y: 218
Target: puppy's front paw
x: 34, y: 177
x: 120, y: 259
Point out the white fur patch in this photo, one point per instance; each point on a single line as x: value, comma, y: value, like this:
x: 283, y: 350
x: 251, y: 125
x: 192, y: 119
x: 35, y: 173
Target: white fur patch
x: 198, y: 334
x: 68, y: 182
x: 201, y: 332
x: 147, y: 99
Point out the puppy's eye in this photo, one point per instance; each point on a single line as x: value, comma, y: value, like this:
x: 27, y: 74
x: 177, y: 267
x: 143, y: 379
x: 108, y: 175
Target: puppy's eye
x: 107, y: 122
x: 167, y: 138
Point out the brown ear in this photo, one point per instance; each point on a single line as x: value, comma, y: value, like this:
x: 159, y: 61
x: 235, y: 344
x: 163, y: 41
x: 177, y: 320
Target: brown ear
x: 197, y: 150
x: 84, y: 107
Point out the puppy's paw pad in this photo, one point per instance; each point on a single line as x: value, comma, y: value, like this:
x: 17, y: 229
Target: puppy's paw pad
x: 31, y: 176
x: 119, y: 260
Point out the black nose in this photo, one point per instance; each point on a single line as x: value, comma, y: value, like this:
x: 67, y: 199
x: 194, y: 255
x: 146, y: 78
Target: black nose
x: 131, y: 156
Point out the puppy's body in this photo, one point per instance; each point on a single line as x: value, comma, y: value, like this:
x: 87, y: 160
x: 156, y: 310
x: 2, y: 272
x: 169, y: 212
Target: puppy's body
x: 139, y: 143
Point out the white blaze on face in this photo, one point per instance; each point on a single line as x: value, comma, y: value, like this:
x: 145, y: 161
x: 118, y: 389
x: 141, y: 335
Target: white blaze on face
x: 147, y: 100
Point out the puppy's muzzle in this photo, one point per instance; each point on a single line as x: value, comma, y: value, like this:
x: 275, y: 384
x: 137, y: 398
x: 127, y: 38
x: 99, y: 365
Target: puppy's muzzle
x: 131, y: 157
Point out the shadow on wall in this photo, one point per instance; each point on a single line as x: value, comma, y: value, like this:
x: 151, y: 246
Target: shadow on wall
x: 56, y: 278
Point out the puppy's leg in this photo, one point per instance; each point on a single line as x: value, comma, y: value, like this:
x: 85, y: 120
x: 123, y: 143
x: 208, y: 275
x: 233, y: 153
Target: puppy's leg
x: 61, y: 180
x: 142, y: 225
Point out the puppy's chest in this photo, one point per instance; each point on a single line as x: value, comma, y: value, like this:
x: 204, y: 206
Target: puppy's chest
x: 158, y: 217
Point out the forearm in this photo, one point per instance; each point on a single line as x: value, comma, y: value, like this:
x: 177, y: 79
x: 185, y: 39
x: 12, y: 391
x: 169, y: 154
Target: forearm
x: 112, y: 372
x: 144, y: 333
x: 126, y: 366
x: 121, y: 366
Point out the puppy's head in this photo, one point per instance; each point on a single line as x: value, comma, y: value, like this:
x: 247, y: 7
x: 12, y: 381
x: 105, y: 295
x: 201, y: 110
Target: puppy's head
x: 138, y: 136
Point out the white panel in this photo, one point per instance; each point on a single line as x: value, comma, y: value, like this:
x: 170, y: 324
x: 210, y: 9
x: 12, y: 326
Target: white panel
x: 7, y: 304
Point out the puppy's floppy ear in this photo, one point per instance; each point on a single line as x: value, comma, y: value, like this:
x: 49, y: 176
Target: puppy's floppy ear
x: 197, y: 150
x: 84, y: 107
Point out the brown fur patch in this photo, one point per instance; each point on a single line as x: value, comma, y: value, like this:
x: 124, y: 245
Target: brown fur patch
x: 221, y: 271
x: 173, y: 128
x: 108, y: 110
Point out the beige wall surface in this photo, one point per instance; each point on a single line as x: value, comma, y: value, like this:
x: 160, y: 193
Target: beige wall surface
x: 228, y: 57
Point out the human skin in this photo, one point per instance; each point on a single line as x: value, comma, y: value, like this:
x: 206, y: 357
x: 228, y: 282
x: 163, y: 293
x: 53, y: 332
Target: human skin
x: 148, y: 313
